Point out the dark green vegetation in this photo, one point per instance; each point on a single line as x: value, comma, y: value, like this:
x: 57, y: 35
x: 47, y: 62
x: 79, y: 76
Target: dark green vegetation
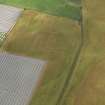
x: 76, y: 1
x: 54, y: 7
x: 53, y: 39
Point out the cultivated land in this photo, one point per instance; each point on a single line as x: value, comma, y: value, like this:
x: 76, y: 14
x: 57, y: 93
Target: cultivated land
x: 18, y: 78
x: 93, y: 87
x: 58, y: 43
x: 88, y: 84
x: 8, y: 17
x: 53, y: 39
x: 54, y: 7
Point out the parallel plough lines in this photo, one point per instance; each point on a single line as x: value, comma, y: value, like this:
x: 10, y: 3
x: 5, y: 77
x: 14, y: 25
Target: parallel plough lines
x: 8, y: 17
x: 19, y: 76
x: 2, y: 36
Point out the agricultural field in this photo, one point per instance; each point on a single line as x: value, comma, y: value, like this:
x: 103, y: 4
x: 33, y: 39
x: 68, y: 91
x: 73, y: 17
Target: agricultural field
x: 76, y: 1
x: 57, y: 43
x: 93, y: 86
x: 18, y: 78
x: 2, y: 37
x: 51, y: 38
x: 88, y: 83
x: 54, y: 7
x: 71, y: 40
x: 8, y: 18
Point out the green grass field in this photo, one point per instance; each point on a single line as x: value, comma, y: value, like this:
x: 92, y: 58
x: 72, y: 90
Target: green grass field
x: 54, y: 7
x: 75, y: 1
x: 53, y: 39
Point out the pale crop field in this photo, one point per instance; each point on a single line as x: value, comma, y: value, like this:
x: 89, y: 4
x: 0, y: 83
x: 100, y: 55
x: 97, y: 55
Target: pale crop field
x: 19, y: 77
x: 8, y: 18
